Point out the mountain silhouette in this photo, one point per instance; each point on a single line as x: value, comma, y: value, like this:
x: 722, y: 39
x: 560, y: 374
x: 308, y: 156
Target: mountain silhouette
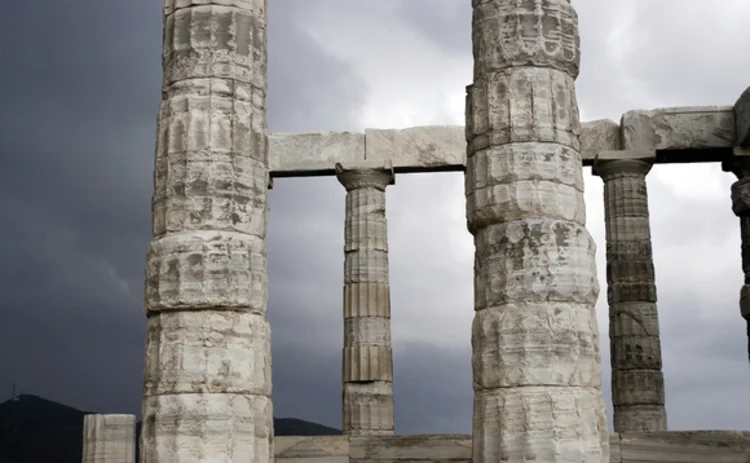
x: 37, y: 430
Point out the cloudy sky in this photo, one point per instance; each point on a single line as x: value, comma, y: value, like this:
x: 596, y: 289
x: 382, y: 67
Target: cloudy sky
x: 80, y: 85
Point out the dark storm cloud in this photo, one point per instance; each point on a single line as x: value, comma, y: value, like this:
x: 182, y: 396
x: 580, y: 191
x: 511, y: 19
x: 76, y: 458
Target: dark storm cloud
x: 79, y: 98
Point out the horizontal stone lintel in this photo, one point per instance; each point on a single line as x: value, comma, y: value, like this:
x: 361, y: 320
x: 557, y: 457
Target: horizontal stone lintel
x: 675, y: 135
x: 657, y: 447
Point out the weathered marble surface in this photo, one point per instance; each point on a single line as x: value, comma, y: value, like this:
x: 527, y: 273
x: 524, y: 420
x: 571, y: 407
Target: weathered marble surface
x: 535, y: 350
x: 428, y: 147
x: 207, y: 380
x: 742, y: 119
x: 740, y: 166
x: 660, y: 447
x: 599, y: 136
x: 442, y: 447
x: 698, y: 127
x: 684, y: 447
x: 312, y: 449
x: 367, y: 356
x: 298, y: 153
x: 635, y: 347
x: 108, y: 439
x: 443, y: 148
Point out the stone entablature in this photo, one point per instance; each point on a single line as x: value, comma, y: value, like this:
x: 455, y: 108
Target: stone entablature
x: 686, y: 134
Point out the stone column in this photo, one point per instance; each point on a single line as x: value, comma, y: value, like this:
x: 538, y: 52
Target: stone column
x: 367, y: 358
x: 740, y: 167
x: 535, y: 342
x: 109, y: 439
x: 207, y: 385
x: 637, y: 379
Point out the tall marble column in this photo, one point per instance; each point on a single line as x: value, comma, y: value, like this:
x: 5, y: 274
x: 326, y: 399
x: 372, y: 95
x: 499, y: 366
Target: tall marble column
x: 108, y: 439
x: 367, y: 358
x: 635, y: 347
x: 740, y: 167
x: 207, y: 379
x: 535, y: 343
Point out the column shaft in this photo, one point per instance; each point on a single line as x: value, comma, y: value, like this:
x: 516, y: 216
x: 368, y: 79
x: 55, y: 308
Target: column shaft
x: 535, y: 343
x: 740, y: 166
x: 207, y: 379
x: 637, y: 379
x: 109, y: 439
x: 367, y: 357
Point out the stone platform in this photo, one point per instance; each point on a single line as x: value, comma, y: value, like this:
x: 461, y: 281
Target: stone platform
x: 659, y: 447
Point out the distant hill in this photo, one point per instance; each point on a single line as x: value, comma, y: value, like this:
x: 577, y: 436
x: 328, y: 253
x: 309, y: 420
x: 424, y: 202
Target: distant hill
x: 37, y: 430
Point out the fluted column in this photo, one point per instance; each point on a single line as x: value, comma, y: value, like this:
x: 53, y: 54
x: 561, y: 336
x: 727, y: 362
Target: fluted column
x: 367, y: 358
x: 740, y: 167
x: 108, y: 439
x: 207, y: 379
x: 535, y: 343
x: 635, y: 347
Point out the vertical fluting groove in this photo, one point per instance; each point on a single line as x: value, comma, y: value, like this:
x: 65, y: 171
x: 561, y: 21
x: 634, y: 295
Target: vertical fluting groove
x: 367, y: 363
x: 108, y: 439
x: 635, y: 346
x: 207, y: 378
x: 740, y: 166
x: 535, y: 350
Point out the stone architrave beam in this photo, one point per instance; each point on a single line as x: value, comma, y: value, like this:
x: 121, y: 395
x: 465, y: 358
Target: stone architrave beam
x: 367, y: 355
x: 693, y: 128
x: 428, y: 148
x: 707, y: 133
x: 637, y: 378
x: 597, y: 137
x: 108, y: 439
x: 742, y: 119
x: 309, y: 154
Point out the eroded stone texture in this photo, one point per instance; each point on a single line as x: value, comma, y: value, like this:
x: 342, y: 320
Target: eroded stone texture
x: 535, y: 352
x: 311, y: 153
x: 427, y: 147
x: 108, y: 439
x: 312, y: 449
x: 637, y: 378
x: 740, y: 166
x: 742, y: 119
x: 598, y: 136
x: 367, y: 357
x: 702, y: 127
x: 207, y: 379
x: 694, y: 134
x: 652, y: 447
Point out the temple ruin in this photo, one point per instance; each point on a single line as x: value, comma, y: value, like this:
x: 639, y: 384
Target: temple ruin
x: 535, y: 342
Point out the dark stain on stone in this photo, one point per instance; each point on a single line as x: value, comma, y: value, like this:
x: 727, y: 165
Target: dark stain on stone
x: 199, y: 187
x: 173, y: 268
x: 561, y: 235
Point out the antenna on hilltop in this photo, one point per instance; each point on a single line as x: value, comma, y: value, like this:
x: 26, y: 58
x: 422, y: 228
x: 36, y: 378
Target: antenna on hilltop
x: 13, y: 396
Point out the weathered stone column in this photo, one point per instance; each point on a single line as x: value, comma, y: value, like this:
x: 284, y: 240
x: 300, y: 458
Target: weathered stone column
x: 635, y: 347
x: 109, y: 439
x: 367, y: 358
x: 740, y: 166
x: 536, y: 360
x: 207, y: 379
